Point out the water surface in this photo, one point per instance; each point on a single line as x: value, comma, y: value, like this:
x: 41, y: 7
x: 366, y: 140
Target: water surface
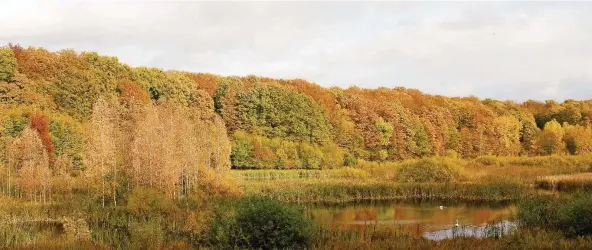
x: 432, y: 220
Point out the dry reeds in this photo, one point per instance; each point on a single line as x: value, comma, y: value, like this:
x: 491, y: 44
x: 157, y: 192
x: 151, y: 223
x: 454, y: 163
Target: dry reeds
x: 573, y: 182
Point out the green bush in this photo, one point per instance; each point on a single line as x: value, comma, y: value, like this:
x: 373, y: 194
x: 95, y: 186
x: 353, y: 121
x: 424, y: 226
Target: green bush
x: 438, y: 169
x: 575, y: 216
x: 537, y: 212
x: 260, y: 223
x: 572, y: 216
x: 350, y: 160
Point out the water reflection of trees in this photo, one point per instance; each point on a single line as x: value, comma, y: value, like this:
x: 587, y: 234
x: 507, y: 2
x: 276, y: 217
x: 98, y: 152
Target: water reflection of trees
x: 417, y: 218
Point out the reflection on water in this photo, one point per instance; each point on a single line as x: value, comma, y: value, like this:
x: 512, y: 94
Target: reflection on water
x: 490, y: 230
x: 429, y: 219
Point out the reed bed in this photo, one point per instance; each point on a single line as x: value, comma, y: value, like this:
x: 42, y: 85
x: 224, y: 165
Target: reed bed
x: 573, y: 182
x: 299, y: 174
x: 337, y: 191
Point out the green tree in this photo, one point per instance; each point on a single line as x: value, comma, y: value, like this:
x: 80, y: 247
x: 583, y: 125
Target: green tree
x: 173, y: 85
x: 281, y: 112
x: 242, y: 151
x: 385, y: 130
x: 225, y: 101
x: 8, y: 64
x: 312, y: 157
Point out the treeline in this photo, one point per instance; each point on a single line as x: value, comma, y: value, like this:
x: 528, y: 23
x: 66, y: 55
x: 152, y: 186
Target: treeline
x: 276, y: 123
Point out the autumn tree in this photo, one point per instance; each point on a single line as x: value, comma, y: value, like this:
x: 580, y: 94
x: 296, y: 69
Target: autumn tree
x: 577, y: 139
x: 29, y: 163
x: 550, y: 139
x: 505, y: 135
x: 206, y: 82
x: 40, y: 123
x: 170, y: 148
x: 101, y: 148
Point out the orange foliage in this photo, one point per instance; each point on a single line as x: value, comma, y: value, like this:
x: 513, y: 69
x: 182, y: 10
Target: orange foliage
x: 129, y: 90
x: 40, y: 123
x: 36, y: 63
x: 206, y: 82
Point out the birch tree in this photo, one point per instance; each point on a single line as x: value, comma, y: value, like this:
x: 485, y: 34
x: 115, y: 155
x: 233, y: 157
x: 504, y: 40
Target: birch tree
x: 101, y: 151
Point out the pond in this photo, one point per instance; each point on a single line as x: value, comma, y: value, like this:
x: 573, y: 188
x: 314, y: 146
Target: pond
x: 432, y: 220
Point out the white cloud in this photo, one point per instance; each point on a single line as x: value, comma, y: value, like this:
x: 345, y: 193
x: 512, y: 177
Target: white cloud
x: 501, y: 50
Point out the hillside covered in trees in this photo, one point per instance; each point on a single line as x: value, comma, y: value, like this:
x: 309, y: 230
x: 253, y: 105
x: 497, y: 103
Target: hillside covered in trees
x: 88, y: 110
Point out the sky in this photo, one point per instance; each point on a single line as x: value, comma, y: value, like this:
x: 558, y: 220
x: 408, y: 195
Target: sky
x: 501, y: 50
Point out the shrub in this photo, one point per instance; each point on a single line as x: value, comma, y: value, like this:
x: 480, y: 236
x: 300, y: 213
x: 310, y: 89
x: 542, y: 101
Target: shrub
x: 350, y: 160
x: 261, y: 223
x: 572, y: 216
x: 536, y: 212
x: 351, y: 173
x: 575, y: 217
x: 451, y: 154
x: 430, y: 170
x: 487, y: 160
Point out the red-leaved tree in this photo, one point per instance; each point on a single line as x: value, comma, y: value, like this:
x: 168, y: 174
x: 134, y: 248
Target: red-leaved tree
x: 40, y: 123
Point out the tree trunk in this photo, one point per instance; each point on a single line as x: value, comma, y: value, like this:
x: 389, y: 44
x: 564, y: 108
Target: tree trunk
x: 114, y: 187
x: 8, y: 179
x: 102, y: 182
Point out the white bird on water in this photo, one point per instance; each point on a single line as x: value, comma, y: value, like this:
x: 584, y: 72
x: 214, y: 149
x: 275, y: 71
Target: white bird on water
x: 441, y: 207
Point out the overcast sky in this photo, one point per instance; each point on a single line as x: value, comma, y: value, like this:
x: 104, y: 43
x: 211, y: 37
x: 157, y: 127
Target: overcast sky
x: 500, y: 50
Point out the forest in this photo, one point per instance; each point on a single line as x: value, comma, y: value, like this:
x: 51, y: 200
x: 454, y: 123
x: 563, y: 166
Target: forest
x: 133, y: 157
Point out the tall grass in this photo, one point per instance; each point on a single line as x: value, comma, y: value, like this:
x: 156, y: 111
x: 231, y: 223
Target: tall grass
x: 343, y: 173
x: 560, y: 163
x: 575, y: 182
x: 334, y: 191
